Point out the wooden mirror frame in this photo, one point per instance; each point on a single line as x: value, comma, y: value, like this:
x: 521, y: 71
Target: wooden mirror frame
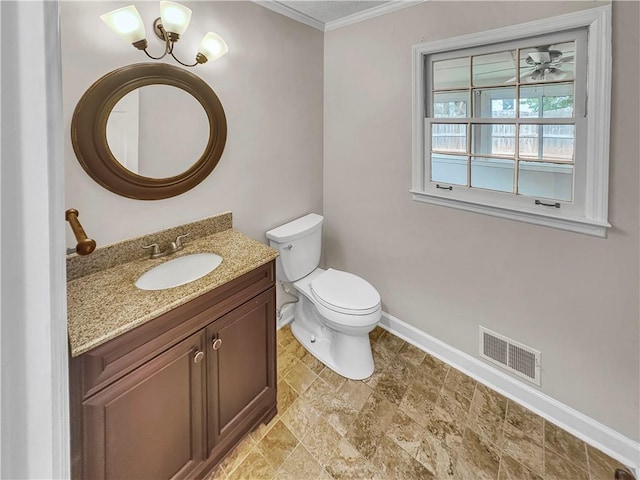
x: 89, y: 130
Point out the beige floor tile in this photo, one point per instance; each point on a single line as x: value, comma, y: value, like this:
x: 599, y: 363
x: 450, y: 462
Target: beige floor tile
x: 433, y: 370
x: 284, y: 336
x: 332, y: 378
x: 380, y: 410
x: 461, y: 383
x: 300, y: 377
x: 355, y: 392
x: 406, y: 433
x: 348, y: 463
x: 217, y: 473
x: 402, y: 369
x: 418, y: 404
x: 375, y: 334
x: 277, y: 444
x: 364, y: 435
x: 487, y: 425
x: 446, y: 427
x: 485, y: 399
x: 324, y: 475
x: 439, y: 456
x: 525, y: 420
x: 557, y: 467
x: 389, y: 387
x: 286, y: 360
x: 319, y: 392
x: 262, y: 429
x: 523, y: 449
x: 453, y: 402
x: 601, y: 466
x: 395, y: 463
x: 312, y: 363
x: 253, y: 467
x: 478, y: 459
x: 296, y: 349
x: 512, y: 470
x: 321, y: 441
x: 415, y: 417
x: 338, y: 413
x: 411, y: 354
x: 237, y: 455
x: 286, y: 396
x: 299, y: 465
x: 300, y: 417
x: 390, y: 342
x: 565, y: 444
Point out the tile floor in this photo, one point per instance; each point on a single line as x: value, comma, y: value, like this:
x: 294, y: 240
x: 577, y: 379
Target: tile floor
x: 414, y: 418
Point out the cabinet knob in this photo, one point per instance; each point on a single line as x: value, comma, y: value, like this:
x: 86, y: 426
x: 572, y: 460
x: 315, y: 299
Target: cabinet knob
x: 216, y: 344
x: 197, y: 358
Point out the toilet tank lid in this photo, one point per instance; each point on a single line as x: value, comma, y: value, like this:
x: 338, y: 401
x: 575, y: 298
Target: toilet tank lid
x: 296, y: 228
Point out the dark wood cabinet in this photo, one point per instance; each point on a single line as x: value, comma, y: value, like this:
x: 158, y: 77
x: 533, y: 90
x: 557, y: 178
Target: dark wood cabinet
x: 170, y: 398
x: 240, y: 380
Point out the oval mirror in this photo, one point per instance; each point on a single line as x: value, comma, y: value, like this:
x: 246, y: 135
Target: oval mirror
x: 149, y: 131
x: 147, y: 146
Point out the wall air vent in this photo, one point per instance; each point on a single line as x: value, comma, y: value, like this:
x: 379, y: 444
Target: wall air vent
x: 511, y: 355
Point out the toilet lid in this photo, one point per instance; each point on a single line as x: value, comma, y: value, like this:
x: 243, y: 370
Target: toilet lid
x: 343, y: 291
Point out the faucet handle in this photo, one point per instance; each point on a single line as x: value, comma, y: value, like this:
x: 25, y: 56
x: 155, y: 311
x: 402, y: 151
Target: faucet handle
x: 155, y: 253
x: 179, y: 238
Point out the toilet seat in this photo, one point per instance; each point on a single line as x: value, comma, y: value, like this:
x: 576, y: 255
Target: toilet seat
x: 345, y: 293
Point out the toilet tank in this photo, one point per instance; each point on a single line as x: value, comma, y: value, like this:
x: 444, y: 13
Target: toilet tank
x: 299, y: 243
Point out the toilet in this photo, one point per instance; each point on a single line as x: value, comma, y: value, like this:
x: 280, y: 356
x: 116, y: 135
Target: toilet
x: 336, y: 310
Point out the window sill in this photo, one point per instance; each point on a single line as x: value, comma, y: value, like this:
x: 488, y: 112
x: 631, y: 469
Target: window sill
x: 578, y: 225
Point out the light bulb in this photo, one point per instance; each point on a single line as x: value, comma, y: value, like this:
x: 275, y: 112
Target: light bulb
x: 175, y: 17
x: 212, y: 46
x: 126, y: 22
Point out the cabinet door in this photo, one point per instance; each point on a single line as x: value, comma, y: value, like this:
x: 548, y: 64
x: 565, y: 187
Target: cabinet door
x: 242, y: 372
x: 150, y: 423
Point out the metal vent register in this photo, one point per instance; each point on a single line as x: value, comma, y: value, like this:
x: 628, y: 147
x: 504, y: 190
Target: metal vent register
x: 513, y: 356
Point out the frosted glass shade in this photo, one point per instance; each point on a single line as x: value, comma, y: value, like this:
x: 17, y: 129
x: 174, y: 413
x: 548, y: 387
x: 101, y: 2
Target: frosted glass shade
x: 175, y: 17
x: 212, y: 46
x: 126, y: 22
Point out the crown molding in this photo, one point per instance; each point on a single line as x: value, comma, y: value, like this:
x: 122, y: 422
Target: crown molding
x: 282, y: 9
x: 276, y: 6
x: 370, y: 13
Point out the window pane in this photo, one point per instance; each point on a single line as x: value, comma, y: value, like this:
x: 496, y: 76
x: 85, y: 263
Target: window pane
x: 546, y: 180
x: 450, y: 104
x: 494, y: 102
x: 547, y: 101
x: 492, y: 173
x: 547, y: 63
x: 449, y: 137
x: 494, y: 69
x: 493, y: 139
x: 547, y: 142
x: 449, y: 74
x: 449, y: 169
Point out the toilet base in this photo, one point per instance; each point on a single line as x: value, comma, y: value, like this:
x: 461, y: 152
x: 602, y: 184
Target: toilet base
x: 347, y: 355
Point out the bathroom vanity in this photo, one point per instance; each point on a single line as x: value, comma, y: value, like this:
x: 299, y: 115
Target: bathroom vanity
x: 167, y: 395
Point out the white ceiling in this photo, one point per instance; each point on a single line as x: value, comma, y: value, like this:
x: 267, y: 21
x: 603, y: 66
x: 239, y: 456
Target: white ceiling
x: 332, y: 14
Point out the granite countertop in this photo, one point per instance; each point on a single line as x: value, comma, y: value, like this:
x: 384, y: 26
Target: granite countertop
x: 105, y: 304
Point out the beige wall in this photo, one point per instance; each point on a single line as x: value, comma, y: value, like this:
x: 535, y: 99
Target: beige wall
x: 270, y: 84
x: 446, y: 271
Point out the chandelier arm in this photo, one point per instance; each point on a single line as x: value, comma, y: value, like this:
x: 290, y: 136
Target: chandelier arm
x: 155, y: 58
x: 184, y: 64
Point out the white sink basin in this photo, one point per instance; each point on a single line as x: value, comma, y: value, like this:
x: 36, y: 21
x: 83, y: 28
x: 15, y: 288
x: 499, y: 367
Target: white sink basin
x: 179, y: 271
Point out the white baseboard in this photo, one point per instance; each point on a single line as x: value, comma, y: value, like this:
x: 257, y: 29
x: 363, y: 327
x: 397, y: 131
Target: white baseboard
x: 592, y: 432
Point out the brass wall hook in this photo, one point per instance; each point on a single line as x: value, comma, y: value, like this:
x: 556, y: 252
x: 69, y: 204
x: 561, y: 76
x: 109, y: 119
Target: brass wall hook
x: 85, y: 245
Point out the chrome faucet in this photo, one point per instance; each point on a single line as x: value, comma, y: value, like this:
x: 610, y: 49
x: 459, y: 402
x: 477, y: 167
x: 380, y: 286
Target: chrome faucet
x: 174, y: 247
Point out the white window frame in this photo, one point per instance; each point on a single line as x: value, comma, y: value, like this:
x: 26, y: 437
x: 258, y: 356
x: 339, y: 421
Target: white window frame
x: 588, y: 215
